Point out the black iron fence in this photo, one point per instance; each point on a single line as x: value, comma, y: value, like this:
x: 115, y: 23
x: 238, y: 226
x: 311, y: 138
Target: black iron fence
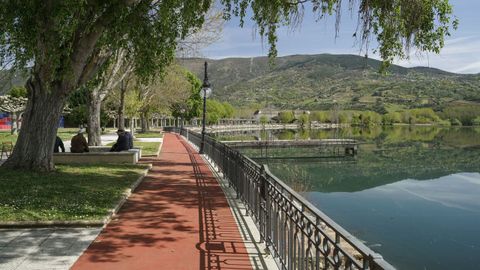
x: 298, y: 235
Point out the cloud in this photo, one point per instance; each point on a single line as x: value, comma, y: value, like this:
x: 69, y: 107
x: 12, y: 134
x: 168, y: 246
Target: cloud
x: 461, y: 53
x: 454, y: 191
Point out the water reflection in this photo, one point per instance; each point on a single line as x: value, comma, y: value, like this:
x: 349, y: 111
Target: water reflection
x: 459, y: 136
x: 412, y: 193
x: 431, y: 224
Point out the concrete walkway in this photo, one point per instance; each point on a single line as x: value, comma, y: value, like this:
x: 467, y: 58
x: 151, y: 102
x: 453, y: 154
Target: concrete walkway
x: 43, y: 248
x: 178, y: 218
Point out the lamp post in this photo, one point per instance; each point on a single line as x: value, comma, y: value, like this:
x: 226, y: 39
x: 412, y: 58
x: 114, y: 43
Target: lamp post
x: 206, y: 91
x: 182, y: 117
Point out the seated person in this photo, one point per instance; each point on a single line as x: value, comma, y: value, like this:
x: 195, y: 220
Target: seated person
x: 58, y: 145
x: 130, y: 139
x: 123, y: 142
x: 79, y: 143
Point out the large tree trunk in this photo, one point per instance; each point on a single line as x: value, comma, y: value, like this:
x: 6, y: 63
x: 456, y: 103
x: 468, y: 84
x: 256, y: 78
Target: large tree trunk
x: 144, y: 122
x: 148, y: 123
x: 34, y: 147
x: 110, y: 80
x: 48, y: 88
x: 94, y: 128
x: 14, y: 120
x: 19, y: 123
x: 121, y: 108
x: 132, y: 126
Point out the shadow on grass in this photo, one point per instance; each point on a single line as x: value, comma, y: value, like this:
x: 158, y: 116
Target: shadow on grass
x: 70, y: 193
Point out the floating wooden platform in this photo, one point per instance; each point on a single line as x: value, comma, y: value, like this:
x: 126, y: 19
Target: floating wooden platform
x: 347, y: 143
x: 320, y: 159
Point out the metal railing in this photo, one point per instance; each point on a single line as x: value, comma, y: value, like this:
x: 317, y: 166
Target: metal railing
x: 298, y: 235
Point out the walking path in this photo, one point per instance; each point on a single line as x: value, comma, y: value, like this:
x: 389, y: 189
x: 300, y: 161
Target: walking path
x: 178, y: 218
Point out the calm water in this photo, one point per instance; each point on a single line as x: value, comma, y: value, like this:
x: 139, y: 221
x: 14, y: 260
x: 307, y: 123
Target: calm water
x: 412, y: 194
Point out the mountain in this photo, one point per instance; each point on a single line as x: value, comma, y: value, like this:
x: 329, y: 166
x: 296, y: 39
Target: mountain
x: 316, y: 82
x: 9, y: 79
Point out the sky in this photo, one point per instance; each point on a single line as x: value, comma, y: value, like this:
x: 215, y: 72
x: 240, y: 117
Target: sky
x: 461, y: 53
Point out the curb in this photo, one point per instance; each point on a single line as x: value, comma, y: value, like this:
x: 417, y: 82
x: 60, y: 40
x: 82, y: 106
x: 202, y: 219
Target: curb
x: 80, y: 223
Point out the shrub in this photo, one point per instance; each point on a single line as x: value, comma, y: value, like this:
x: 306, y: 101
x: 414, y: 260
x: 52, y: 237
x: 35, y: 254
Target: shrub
x: 392, y: 118
x: 425, y: 115
x: 463, y: 113
x: 263, y: 119
x: 320, y: 116
x: 304, y: 119
x: 476, y: 121
x: 286, y: 117
x: 455, y: 122
x: 369, y: 118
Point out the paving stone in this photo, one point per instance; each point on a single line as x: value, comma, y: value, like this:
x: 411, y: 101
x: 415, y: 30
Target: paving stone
x: 48, y: 248
x: 17, y: 250
x: 11, y: 263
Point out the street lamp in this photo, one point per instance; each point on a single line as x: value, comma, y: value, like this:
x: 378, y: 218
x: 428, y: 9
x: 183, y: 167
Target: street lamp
x: 182, y: 117
x: 206, y: 91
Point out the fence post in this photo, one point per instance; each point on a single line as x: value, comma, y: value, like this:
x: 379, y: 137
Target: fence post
x: 263, y: 181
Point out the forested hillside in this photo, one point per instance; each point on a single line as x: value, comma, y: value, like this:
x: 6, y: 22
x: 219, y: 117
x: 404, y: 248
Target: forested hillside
x: 316, y: 82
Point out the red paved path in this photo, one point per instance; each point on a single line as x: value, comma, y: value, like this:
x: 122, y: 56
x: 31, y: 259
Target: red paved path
x: 178, y: 218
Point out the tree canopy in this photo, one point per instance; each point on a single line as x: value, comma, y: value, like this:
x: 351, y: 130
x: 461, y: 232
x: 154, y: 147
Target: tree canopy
x: 73, y: 37
x: 68, y: 42
x: 398, y: 25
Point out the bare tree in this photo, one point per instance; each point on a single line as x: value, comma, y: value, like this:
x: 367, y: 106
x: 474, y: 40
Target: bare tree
x: 197, y: 39
x: 116, y: 72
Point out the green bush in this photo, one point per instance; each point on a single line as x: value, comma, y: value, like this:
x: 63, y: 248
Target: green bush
x: 304, y: 119
x: 18, y: 91
x: 463, y: 113
x: 476, y: 121
x: 344, y: 117
x: 369, y: 118
x: 425, y: 116
x: 392, y: 118
x: 217, y: 110
x: 263, y: 119
x: 320, y: 116
x: 286, y: 117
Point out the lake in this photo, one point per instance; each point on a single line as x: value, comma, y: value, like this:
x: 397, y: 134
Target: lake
x: 411, y: 193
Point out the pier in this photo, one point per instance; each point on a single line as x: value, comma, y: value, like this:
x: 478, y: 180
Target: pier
x: 349, y: 146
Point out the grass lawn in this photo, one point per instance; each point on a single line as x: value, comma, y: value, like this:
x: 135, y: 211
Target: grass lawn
x: 65, y: 134
x: 71, y: 193
x: 151, y: 134
x: 5, y: 136
x: 148, y: 148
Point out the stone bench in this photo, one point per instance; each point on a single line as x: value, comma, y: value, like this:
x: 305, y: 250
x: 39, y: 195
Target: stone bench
x: 124, y: 157
x: 103, y: 149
